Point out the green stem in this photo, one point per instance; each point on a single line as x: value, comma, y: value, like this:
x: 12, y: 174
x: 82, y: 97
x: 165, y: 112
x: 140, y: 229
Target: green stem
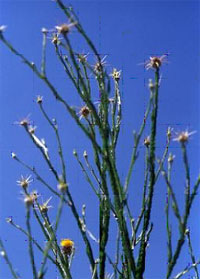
x: 175, y: 203
x: 104, y: 229
x: 87, y: 176
x: 187, y: 269
x: 47, y: 160
x: 5, y: 256
x: 44, y: 43
x: 60, y: 150
x: 147, y: 213
x: 192, y: 255
x: 169, y: 233
x: 188, y: 204
x: 52, y: 240
x: 143, y: 198
x: 54, y: 91
x: 30, y: 246
x: 83, y: 233
x: 34, y: 241
x: 136, y: 144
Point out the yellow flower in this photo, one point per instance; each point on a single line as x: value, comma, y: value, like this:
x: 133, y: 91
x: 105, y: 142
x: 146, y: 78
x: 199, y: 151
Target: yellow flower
x: 67, y: 246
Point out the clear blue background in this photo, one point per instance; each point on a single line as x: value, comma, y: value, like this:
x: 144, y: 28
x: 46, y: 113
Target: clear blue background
x: 128, y: 32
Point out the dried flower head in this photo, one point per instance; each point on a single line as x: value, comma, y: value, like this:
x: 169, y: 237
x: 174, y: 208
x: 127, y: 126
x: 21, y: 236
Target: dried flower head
x: 98, y: 67
x: 83, y: 226
x: 116, y: 74
x: 44, y: 30
x: 169, y: 132
x: 183, y: 136
x: 62, y: 186
x: 187, y: 232
x: 84, y: 112
x: 9, y: 220
x: 35, y: 195
x: 67, y: 246
x: 55, y: 39
x: 13, y: 155
x: 45, y: 207
x: 3, y: 253
x: 2, y: 28
x: 30, y: 199
x: 83, y: 210
x: 111, y: 100
x: 75, y: 152
x: 39, y: 99
x: 82, y: 58
x: 25, y: 122
x: 147, y: 141
x: 24, y: 181
x: 85, y: 155
x: 151, y: 85
x: 32, y: 129
x: 171, y: 158
x: 64, y: 28
x: 155, y: 62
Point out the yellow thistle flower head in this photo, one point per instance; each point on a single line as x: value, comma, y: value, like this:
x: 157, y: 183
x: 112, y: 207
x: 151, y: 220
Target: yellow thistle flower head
x: 67, y: 246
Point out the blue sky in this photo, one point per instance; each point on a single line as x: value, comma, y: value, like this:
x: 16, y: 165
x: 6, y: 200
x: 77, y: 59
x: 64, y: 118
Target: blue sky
x: 128, y: 32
